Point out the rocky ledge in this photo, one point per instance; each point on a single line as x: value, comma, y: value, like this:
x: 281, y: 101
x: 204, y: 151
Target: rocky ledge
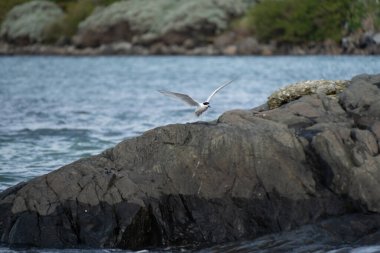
x: 246, y: 46
x: 247, y: 174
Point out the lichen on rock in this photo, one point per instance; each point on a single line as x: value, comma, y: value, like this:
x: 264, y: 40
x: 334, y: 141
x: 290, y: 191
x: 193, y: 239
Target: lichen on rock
x: 299, y: 89
x: 27, y: 22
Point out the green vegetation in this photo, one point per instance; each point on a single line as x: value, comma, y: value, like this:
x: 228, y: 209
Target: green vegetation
x: 297, y: 21
x: 372, y: 7
x: 26, y: 23
x: 154, y: 19
x: 65, y: 4
x: 7, y: 5
x: 285, y: 21
x: 76, y: 11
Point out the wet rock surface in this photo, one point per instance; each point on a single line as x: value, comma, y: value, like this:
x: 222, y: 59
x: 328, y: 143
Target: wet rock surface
x: 343, y: 234
x: 247, y: 174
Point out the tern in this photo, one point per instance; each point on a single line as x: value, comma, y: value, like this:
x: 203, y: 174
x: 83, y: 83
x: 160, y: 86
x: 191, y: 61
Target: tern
x: 201, y: 107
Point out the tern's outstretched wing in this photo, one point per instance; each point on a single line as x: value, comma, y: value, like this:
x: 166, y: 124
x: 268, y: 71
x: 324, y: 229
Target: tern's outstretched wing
x: 218, y: 89
x: 183, y: 97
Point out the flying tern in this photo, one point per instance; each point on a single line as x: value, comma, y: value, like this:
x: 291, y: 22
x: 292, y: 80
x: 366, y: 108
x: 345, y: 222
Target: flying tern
x: 200, y: 107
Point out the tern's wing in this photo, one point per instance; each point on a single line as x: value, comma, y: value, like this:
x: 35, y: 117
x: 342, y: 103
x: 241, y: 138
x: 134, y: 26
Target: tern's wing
x: 218, y: 89
x: 183, y: 97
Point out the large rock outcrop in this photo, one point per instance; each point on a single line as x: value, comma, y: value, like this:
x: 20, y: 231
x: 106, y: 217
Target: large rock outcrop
x: 166, y: 21
x: 247, y: 174
x: 27, y: 22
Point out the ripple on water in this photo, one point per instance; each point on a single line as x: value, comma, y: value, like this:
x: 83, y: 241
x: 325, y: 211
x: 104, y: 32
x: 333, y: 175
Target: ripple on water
x: 28, y: 152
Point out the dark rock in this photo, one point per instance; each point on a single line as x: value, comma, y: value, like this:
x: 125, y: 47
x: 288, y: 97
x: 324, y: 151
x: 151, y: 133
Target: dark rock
x: 341, y: 234
x: 247, y: 174
x: 95, y: 37
x: 376, y: 38
x: 225, y: 39
x: 247, y: 46
x: 361, y: 43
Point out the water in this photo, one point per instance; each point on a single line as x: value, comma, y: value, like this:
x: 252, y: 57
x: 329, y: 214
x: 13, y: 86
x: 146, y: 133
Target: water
x: 55, y: 110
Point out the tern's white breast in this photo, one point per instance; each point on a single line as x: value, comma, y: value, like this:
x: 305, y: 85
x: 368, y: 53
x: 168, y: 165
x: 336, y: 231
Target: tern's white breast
x: 201, y: 109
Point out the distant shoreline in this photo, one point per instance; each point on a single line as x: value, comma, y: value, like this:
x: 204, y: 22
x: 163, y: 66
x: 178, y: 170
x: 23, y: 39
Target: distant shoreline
x: 125, y: 48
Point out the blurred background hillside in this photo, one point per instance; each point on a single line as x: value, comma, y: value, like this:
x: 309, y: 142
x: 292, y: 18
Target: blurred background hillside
x: 190, y: 26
